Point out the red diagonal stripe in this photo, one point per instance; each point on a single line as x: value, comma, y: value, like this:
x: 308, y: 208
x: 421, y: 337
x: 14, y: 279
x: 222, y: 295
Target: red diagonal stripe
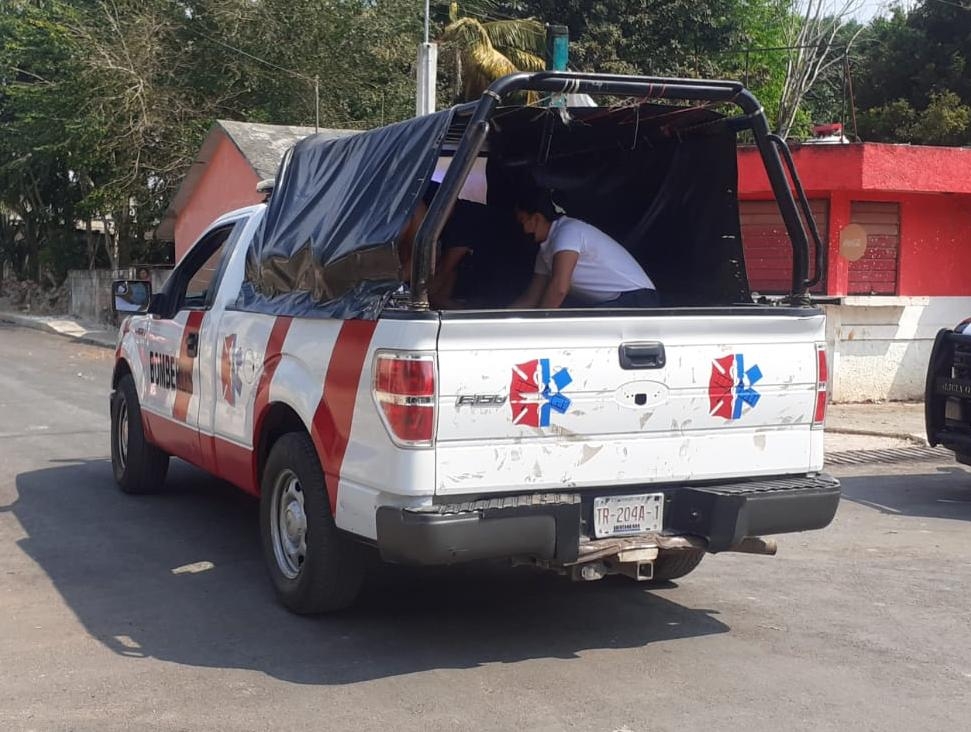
x: 185, y: 385
x: 332, y: 421
x: 271, y: 359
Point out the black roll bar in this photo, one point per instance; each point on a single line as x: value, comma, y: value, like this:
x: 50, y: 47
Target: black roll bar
x: 569, y: 82
x: 806, y: 210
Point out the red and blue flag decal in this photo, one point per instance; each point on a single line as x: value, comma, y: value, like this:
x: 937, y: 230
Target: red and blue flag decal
x: 731, y: 386
x: 534, y: 394
x: 229, y: 370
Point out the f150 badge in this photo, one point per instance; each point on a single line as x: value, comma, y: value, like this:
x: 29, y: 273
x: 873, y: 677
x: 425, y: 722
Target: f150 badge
x: 480, y: 400
x: 535, y: 393
x: 731, y: 386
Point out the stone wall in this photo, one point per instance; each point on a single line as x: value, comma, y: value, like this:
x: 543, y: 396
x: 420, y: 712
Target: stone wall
x: 91, y: 291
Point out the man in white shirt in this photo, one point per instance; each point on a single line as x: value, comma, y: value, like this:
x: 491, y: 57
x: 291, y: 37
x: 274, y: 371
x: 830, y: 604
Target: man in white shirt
x: 578, y: 265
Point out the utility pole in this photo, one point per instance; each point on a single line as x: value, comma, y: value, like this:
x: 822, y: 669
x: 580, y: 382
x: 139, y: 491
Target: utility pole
x: 557, y: 55
x: 427, y: 73
x: 557, y: 47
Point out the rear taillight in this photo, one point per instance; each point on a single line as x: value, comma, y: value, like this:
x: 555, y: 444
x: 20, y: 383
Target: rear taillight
x: 822, y: 382
x: 404, y: 390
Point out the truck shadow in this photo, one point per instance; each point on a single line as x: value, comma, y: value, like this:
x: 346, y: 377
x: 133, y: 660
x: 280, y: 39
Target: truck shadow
x: 942, y: 492
x: 180, y: 577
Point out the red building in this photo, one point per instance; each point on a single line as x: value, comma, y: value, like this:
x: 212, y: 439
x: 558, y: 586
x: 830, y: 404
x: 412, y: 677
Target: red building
x: 914, y: 203
x: 234, y: 157
x: 891, y: 281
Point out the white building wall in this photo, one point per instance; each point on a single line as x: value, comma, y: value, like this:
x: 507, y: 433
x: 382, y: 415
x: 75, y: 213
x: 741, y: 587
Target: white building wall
x: 879, y: 346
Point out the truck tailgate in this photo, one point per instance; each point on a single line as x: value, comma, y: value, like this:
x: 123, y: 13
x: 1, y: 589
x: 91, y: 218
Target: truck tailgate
x: 582, y: 400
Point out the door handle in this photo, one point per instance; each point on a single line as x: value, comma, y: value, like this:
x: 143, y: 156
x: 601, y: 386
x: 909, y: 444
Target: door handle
x: 192, y: 345
x: 644, y: 355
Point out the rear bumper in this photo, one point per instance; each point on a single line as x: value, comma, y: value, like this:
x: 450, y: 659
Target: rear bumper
x: 549, y: 526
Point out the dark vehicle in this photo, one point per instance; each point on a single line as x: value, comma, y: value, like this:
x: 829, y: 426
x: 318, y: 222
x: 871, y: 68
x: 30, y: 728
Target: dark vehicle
x: 947, y: 393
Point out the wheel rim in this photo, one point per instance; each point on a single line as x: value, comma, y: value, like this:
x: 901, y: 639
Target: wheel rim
x: 288, y: 524
x: 121, y: 434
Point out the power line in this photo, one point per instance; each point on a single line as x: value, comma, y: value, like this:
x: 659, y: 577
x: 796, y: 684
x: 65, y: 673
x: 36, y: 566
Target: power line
x: 263, y: 61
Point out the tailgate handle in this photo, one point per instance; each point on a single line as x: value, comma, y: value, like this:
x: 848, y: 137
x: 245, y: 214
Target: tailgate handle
x: 646, y: 355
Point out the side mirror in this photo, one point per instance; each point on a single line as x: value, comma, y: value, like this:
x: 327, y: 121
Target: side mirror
x: 131, y: 296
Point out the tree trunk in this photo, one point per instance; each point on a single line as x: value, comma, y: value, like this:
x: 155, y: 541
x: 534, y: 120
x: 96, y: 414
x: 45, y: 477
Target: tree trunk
x: 32, y: 263
x: 91, y: 243
x: 123, y: 231
x: 110, y: 243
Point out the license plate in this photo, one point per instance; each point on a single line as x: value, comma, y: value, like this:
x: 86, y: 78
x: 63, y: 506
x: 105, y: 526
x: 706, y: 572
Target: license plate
x: 627, y: 515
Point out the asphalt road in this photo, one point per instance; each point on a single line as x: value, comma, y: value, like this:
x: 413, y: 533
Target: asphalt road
x: 154, y: 612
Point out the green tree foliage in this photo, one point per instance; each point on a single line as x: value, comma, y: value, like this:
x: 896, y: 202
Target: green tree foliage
x: 486, y: 50
x: 39, y: 138
x: 738, y: 39
x: 914, y: 79
x: 945, y: 121
x: 103, y: 103
x: 658, y: 37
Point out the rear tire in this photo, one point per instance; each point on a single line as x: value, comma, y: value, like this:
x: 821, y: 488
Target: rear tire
x: 138, y: 465
x: 314, y: 567
x: 674, y: 564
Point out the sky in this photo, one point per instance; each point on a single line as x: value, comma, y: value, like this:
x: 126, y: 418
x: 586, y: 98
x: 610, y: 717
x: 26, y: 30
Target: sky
x: 871, y: 8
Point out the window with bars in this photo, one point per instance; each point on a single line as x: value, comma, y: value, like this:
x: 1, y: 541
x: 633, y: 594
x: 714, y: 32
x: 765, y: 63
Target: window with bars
x: 875, y: 273
x: 768, y: 252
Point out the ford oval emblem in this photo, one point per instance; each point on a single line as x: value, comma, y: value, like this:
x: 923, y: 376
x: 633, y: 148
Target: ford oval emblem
x: 641, y: 394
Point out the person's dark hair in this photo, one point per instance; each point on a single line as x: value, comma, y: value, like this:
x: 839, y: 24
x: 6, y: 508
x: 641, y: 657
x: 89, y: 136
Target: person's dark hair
x: 537, y: 200
x: 142, y: 273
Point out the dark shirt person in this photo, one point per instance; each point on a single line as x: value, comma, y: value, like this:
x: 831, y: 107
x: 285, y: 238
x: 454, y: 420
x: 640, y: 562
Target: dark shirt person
x: 484, y: 261
x: 578, y: 265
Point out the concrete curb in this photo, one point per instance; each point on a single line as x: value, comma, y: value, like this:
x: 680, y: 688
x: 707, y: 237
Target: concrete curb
x: 907, y: 436
x: 26, y: 321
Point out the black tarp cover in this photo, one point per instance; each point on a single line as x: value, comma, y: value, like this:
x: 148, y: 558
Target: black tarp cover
x: 326, y: 246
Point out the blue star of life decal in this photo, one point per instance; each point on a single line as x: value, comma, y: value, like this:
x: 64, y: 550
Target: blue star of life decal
x: 535, y: 393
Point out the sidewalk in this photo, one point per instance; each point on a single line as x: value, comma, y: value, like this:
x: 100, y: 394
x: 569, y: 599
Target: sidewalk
x: 102, y: 335
x: 848, y: 426
x: 898, y: 420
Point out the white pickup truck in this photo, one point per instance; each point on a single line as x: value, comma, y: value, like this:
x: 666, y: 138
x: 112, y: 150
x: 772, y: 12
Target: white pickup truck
x: 292, y: 355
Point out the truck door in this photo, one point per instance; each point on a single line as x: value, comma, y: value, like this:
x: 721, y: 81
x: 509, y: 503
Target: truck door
x: 171, y: 400
x: 229, y: 369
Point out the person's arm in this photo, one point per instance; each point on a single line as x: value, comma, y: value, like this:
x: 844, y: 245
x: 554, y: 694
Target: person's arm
x: 534, y: 292
x: 443, y: 283
x: 558, y: 287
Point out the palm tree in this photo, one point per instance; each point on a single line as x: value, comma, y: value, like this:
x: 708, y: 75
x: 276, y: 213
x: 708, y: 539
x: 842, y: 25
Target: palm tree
x: 488, y: 50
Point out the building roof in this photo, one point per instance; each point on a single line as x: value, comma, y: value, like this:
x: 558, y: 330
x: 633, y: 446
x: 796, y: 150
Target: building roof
x: 867, y: 166
x: 262, y: 146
